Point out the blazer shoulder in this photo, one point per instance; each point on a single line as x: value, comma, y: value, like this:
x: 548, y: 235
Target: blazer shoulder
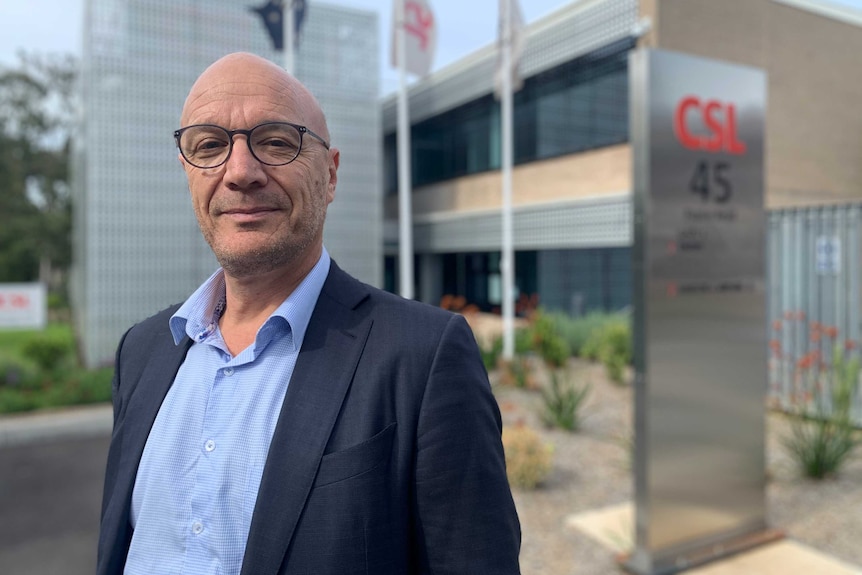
x: 154, y: 326
x: 356, y: 294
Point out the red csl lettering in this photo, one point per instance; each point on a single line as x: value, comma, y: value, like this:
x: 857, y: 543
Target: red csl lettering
x: 713, y: 124
x: 680, y: 127
x: 719, y: 120
x: 733, y: 145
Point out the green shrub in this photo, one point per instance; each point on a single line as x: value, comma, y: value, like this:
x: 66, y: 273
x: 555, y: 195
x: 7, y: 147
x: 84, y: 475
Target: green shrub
x: 37, y: 370
x: 577, y: 330
x: 517, y: 373
x: 545, y: 340
x: 48, y: 350
x: 612, y: 345
x: 528, y: 458
x: 592, y: 348
x: 57, y: 301
x: 92, y: 386
x: 563, y: 401
x: 616, y: 352
x: 523, y: 341
x: 491, y: 353
x: 16, y: 371
x: 823, y: 435
x: 16, y: 400
x: 820, y: 446
x: 76, y: 387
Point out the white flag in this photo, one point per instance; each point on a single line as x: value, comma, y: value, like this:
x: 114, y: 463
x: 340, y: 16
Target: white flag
x: 420, y: 36
x: 516, y: 39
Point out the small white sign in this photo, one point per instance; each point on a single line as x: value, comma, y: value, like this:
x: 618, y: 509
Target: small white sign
x: 23, y: 306
x: 828, y: 259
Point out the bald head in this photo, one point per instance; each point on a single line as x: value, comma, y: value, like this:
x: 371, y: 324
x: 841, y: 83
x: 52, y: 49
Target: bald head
x: 242, y: 75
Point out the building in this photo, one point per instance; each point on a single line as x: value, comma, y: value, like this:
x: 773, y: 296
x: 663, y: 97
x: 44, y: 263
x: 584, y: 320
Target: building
x: 137, y: 248
x: 572, y: 181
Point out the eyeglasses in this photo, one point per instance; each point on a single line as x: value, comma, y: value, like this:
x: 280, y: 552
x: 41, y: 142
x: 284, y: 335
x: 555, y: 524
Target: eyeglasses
x: 271, y: 143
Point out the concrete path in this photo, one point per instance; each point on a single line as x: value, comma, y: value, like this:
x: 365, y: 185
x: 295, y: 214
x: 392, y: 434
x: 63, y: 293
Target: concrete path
x: 613, y: 527
x: 44, y: 426
x: 52, y: 467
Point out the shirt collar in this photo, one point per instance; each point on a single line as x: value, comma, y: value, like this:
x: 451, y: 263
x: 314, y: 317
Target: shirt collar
x: 198, y: 317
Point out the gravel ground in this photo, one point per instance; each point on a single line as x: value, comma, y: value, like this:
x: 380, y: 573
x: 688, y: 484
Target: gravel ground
x: 592, y: 470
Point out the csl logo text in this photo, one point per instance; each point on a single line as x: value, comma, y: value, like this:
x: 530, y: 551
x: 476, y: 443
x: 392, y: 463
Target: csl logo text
x: 717, y: 125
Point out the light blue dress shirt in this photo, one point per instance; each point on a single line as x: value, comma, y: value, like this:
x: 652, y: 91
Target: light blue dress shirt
x: 197, y: 483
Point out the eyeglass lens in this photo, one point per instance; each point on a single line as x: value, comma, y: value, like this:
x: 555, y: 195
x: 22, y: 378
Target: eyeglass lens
x: 209, y: 146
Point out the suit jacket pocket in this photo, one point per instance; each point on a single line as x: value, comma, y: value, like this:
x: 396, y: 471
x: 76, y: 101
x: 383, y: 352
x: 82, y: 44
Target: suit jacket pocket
x: 356, y: 460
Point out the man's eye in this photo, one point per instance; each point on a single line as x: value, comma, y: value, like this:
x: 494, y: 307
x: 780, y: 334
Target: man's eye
x: 274, y: 143
x: 210, y: 144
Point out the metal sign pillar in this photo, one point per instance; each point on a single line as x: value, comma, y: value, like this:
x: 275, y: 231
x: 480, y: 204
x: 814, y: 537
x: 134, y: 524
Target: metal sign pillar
x: 697, y: 131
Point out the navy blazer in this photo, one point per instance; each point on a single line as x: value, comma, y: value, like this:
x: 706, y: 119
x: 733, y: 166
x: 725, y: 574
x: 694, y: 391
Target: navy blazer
x: 386, y: 457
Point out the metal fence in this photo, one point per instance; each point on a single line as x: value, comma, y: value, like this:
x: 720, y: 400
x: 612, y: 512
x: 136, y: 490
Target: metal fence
x: 813, y: 304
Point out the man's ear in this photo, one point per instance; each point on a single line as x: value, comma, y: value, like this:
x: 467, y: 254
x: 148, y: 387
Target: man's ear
x: 334, y: 159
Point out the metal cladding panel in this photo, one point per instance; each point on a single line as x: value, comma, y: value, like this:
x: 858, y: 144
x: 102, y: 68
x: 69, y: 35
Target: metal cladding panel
x: 699, y: 277
x: 558, y: 38
x: 814, y: 300
x: 338, y: 61
x: 601, y: 222
x: 137, y: 247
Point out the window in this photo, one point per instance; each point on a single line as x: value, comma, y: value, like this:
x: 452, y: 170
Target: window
x: 579, y: 105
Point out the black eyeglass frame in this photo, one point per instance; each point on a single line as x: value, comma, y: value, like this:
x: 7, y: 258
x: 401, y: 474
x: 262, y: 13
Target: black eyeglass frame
x: 247, y: 133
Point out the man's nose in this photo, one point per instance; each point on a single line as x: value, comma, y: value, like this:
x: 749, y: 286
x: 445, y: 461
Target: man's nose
x: 242, y: 170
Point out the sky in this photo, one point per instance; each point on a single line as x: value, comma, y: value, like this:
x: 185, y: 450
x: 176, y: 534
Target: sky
x: 464, y: 26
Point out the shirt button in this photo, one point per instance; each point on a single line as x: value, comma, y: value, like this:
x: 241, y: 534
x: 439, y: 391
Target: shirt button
x: 209, y: 445
x: 228, y: 371
x: 197, y: 527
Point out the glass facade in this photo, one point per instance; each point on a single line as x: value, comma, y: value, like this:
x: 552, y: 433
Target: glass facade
x: 576, y: 106
x: 585, y: 280
x: 574, y: 281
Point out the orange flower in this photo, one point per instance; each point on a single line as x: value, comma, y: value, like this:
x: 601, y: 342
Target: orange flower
x: 775, y: 346
x: 831, y: 331
x: 776, y: 325
x: 850, y: 345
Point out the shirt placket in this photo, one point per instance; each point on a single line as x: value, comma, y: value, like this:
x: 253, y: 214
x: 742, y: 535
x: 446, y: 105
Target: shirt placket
x: 213, y: 471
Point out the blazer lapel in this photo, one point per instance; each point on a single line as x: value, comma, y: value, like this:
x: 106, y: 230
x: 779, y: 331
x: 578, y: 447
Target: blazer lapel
x: 150, y: 391
x: 150, y: 387
x: 331, y: 350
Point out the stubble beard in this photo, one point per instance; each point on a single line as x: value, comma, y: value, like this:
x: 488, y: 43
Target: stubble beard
x: 280, y: 250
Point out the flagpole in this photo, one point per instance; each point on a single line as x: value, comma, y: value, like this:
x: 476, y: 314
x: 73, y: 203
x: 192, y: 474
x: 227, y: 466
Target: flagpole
x: 405, y: 223
x: 507, y: 260
x: 287, y: 35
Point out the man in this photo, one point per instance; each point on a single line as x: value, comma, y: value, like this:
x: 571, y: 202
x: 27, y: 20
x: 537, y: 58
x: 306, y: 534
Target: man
x: 288, y: 418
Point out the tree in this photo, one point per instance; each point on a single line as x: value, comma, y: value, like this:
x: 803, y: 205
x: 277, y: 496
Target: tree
x: 36, y: 120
